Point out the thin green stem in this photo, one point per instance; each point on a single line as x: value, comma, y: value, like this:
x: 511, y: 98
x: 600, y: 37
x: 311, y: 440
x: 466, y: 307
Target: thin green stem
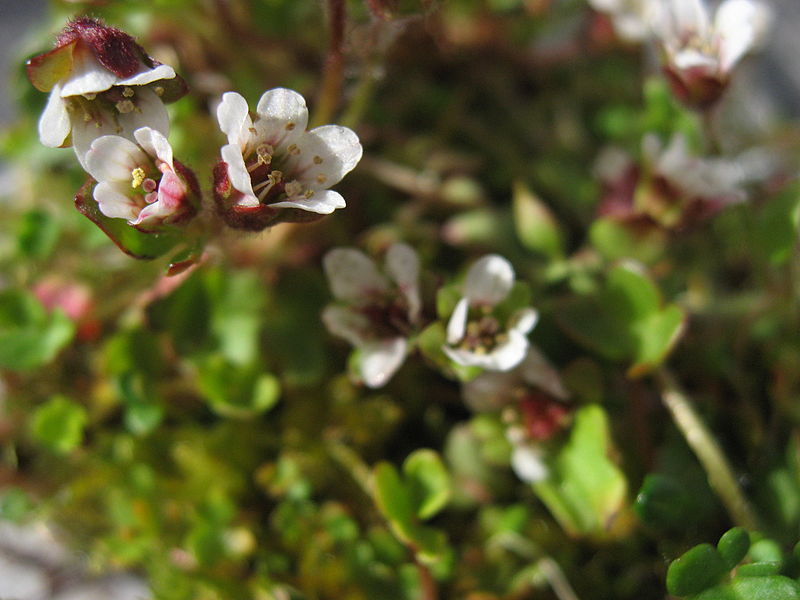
x: 705, y: 446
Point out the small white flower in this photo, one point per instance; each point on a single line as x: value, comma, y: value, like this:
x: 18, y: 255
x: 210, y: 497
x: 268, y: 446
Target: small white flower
x: 139, y: 182
x: 100, y: 83
x: 700, y: 53
x: 272, y: 162
x: 631, y: 18
x: 378, y: 310
x: 474, y: 335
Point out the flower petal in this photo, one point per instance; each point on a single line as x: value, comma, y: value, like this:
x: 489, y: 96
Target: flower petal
x: 339, y: 149
x: 523, y: 320
x: 112, y: 158
x: 323, y: 202
x: 155, y: 144
x: 282, y: 117
x: 457, y: 325
x: 113, y: 202
x: 489, y: 280
x: 380, y: 360
x: 490, y: 391
x: 88, y: 76
x: 237, y: 172
x: 54, y: 124
x: 402, y: 265
x: 526, y: 460
x: 234, y: 119
x: 741, y: 25
x: 353, y: 276
x: 346, y: 323
x: 148, y: 75
x: 537, y: 371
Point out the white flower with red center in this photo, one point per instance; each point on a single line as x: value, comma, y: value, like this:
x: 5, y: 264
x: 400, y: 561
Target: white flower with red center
x: 378, y: 311
x: 141, y: 181
x: 700, y: 53
x: 531, y: 400
x: 101, y: 82
x: 475, y: 335
x: 272, y: 169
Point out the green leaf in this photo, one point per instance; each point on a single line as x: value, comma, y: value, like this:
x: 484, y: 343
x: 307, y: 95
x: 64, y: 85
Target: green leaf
x: 663, y: 501
x: 774, y: 587
x: 696, y: 570
x: 615, y: 242
x: 428, y: 482
x: 29, y: 336
x: 585, y: 490
x: 236, y: 391
x: 58, y: 424
x: 759, y: 569
x: 535, y: 224
x: 238, y: 307
x: 37, y: 234
x: 733, y: 546
x: 15, y: 504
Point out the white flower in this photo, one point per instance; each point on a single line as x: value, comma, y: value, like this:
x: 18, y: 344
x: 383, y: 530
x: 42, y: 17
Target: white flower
x: 139, y: 182
x: 700, y: 53
x: 631, y: 18
x: 378, y: 311
x: 100, y: 83
x: 273, y: 163
x: 474, y: 335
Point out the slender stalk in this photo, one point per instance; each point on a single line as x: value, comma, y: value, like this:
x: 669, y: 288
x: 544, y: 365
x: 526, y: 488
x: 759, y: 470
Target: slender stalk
x: 333, y: 73
x: 705, y: 446
x: 430, y: 591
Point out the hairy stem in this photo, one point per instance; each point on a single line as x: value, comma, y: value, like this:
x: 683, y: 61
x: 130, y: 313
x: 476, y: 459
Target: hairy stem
x: 705, y: 446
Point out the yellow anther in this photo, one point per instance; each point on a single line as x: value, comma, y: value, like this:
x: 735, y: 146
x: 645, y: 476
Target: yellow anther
x: 293, y: 188
x: 317, y: 160
x: 309, y: 194
x: 137, y: 177
x: 293, y: 149
x: 275, y: 177
x: 290, y: 126
x: 264, y: 153
x: 321, y: 179
x: 159, y: 91
x: 125, y: 106
x: 127, y: 92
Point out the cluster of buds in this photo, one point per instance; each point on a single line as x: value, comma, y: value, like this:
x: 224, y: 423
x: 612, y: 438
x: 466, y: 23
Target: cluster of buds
x: 107, y: 100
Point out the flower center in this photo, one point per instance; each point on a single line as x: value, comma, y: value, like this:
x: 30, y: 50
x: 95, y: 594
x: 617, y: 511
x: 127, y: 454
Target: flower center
x: 483, y: 335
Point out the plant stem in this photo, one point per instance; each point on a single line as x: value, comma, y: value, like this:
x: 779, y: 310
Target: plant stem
x: 333, y: 74
x: 429, y: 590
x: 705, y: 446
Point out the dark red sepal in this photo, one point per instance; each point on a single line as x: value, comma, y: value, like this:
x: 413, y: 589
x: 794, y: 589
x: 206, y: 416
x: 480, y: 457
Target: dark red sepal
x: 113, y: 48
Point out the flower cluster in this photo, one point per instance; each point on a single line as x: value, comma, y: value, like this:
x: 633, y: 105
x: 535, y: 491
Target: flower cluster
x: 107, y: 99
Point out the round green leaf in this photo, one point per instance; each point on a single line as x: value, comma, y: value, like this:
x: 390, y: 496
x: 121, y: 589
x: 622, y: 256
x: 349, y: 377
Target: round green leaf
x: 58, y: 424
x: 695, y: 571
x: 733, y: 546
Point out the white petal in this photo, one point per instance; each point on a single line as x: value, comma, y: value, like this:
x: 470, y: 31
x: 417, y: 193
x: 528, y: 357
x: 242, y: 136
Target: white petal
x: 523, y: 320
x: 692, y: 58
x: 691, y: 17
x: 237, y: 172
x: 526, y: 460
x: 509, y: 354
x: 402, y: 265
x: 339, y: 149
x: 150, y: 112
x: 323, y: 202
x: 88, y: 76
x: 489, y: 280
x: 54, y: 124
x: 234, y: 119
x: 490, y: 391
x: 353, y: 276
x: 112, y: 158
x: 113, y: 202
x: 457, y: 325
x: 741, y: 25
x: 347, y: 324
x: 155, y: 144
x: 148, y: 75
x: 537, y: 371
x: 282, y: 117
x: 380, y: 360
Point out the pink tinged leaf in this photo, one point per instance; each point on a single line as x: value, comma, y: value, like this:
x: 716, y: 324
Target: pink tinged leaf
x: 113, y: 48
x: 46, y: 70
